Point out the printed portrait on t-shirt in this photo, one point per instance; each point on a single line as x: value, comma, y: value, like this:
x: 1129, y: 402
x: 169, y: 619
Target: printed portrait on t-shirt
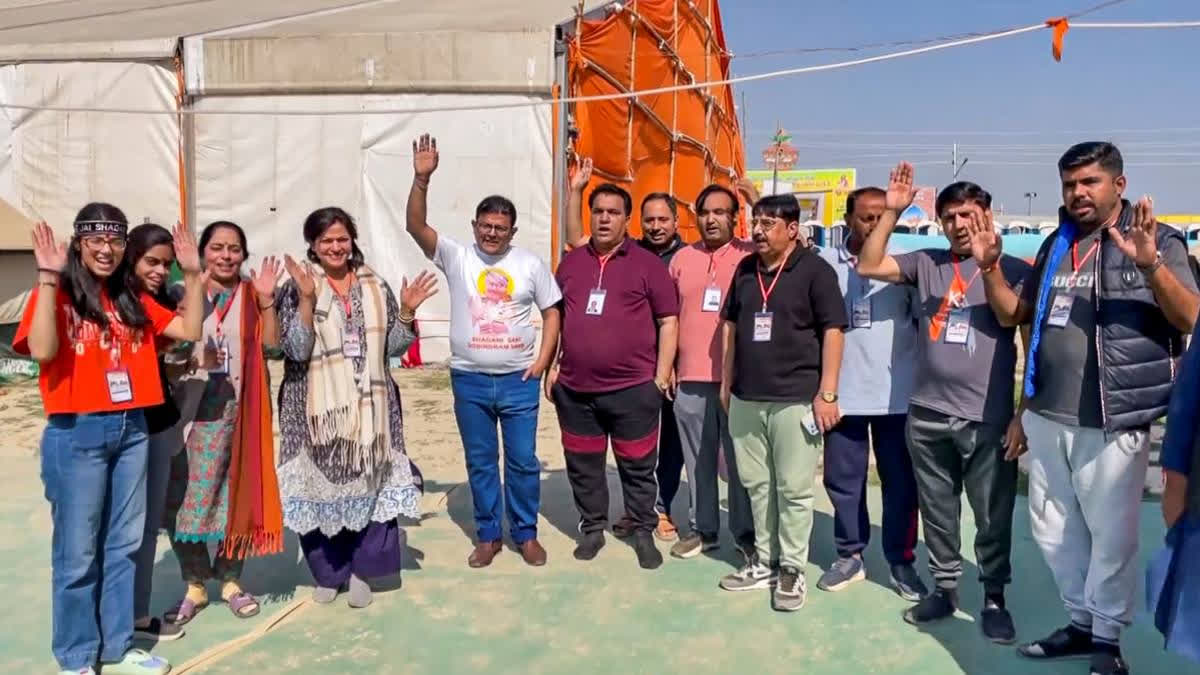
x: 492, y: 312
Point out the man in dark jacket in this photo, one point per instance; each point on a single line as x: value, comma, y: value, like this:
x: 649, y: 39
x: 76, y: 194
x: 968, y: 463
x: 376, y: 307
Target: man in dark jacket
x: 1113, y: 300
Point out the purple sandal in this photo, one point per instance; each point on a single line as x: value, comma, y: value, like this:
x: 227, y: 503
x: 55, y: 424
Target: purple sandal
x: 183, y: 612
x: 243, y: 605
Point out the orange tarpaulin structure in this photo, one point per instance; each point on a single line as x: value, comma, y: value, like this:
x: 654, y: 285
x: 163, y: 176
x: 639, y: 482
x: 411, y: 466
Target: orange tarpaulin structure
x: 674, y: 142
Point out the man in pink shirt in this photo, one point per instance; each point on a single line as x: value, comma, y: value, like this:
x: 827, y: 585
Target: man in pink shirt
x: 702, y: 272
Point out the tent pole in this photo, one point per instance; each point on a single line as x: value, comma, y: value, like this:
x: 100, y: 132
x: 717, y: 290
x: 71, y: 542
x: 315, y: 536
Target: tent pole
x: 559, y: 189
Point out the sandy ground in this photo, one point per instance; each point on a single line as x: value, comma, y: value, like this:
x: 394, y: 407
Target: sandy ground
x: 600, y: 617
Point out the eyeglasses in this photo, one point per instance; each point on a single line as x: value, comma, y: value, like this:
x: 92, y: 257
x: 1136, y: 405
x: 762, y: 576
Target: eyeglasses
x: 764, y: 224
x: 489, y: 228
x: 98, y: 243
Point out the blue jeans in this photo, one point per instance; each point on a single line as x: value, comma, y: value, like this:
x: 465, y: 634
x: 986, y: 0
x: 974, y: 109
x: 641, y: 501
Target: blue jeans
x: 480, y: 400
x: 94, y: 473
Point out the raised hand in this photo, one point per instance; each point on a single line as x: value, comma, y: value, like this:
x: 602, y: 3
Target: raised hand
x: 900, y: 190
x: 51, y: 255
x: 425, y: 156
x: 581, y: 174
x: 1138, y: 244
x: 423, y: 287
x: 187, y: 254
x: 986, y: 244
x: 265, y: 280
x: 745, y: 187
x: 306, y: 283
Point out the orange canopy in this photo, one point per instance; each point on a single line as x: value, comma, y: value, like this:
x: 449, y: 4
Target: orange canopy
x: 675, y: 142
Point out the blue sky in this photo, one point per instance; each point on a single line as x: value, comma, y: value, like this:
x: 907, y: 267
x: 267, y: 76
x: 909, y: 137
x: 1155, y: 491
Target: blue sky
x: 1117, y: 85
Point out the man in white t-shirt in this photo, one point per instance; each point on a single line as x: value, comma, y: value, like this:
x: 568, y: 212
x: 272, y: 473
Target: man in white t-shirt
x: 495, y: 364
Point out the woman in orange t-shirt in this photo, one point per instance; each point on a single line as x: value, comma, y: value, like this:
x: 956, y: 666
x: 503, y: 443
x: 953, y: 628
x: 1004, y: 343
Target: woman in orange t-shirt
x: 93, y: 337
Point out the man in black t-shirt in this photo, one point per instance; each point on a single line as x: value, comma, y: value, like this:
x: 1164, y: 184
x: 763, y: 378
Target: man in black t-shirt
x: 782, y: 339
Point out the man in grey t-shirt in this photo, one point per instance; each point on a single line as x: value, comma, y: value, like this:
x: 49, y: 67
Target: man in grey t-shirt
x: 963, y: 400
x: 1111, y: 301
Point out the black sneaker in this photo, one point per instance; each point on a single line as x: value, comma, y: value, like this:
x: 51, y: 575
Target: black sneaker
x: 790, y: 592
x: 589, y: 545
x: 1108, y: 663
x: 1071, y: 642
x: 907, y: 583
x: 648, y: 554
x: 997, y: 623
x: 158, y: 631
x: 937, y: 605
x: 694, y: 544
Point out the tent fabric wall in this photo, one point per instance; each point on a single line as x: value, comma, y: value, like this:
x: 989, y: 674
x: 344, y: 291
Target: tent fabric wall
x: 52, y: 163
x: 269, y: 173
x: 675, y: 142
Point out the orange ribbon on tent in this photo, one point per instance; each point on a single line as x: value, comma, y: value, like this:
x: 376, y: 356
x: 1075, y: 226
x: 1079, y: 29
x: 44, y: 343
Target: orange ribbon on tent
x: 1060, y: 26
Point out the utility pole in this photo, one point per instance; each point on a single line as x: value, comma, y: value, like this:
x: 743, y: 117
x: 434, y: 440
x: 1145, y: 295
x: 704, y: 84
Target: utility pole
x: 955, y: 166
x: 1030, y: 196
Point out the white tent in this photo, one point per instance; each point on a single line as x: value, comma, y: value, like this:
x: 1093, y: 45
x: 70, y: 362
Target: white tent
x: 267, y: 172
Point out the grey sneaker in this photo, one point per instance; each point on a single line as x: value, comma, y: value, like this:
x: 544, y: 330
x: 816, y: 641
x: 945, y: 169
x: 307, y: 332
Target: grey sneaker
x: 752, y: 577
x: 844, y: 572
x: 693, y: 545
x: 908, y: 583
x: 790, y: 592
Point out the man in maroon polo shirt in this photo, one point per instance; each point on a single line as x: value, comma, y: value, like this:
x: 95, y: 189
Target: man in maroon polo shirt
x: 616, y: 350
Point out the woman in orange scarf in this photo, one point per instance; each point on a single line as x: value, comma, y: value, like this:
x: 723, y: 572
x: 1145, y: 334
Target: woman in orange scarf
x: 223, y: 487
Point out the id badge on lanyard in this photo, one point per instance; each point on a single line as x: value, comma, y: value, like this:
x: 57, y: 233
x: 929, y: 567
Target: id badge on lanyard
x: 762, y: 326
x: 595, y: 301
x: 712, y: 299
x: 220, y: 343
x: 120, y: 386
x: 1060, y: 309
x: 958, y: 326
x: 860, y: 313
x: 351, y: 345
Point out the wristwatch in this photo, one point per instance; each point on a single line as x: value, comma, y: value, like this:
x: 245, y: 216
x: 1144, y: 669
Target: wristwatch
x: 1149, y: 269
x: 829, y: 396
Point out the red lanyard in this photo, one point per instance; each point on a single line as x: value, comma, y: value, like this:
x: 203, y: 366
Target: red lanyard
x: 114, y: 344
x: 766, y: 292
x: 344, y: 298
x: 222, y: 312
x: 958, y: 277
x: 603, y: 262
x: 1076, y: 263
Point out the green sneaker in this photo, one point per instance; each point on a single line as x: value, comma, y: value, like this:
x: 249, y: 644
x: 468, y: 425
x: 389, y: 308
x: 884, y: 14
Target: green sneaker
x: 137, y: 662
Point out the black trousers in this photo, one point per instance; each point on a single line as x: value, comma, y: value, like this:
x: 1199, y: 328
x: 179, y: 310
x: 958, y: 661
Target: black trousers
x: 630, y: 418
x: 951, y: 455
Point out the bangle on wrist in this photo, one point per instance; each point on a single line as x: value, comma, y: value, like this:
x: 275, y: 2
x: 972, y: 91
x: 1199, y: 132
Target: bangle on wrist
x: 47, y: 270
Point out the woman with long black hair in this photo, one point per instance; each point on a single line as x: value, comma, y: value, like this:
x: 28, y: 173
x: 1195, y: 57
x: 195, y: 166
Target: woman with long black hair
x: 149, y: 252
x: 93, y: 337
x: 343, y: 469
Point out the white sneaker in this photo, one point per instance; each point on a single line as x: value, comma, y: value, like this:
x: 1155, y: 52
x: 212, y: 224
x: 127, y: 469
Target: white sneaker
x: 753, y: 576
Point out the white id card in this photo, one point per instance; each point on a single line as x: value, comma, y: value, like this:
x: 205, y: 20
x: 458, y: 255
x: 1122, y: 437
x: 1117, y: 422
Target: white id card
x: 958, y: 326
x: 222, y: 365
x: 1060, y: 310
x: 712, y: 299
x: 120, y: 389
x: 860, y: 313
x: 810, y: 423
x: 351, y: 346
x: 762, y: 326
x: 595, y: 304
